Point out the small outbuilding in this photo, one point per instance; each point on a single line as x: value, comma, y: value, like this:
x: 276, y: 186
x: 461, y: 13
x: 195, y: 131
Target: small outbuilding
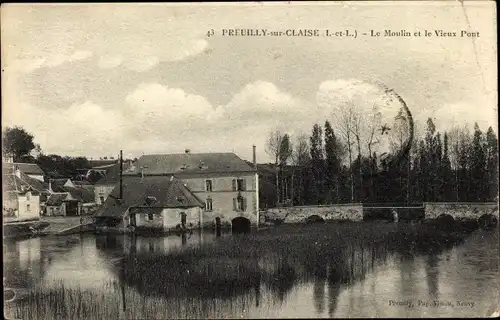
x: 154, y: 203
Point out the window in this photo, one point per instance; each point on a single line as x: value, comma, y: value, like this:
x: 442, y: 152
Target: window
x: 102, y: 199
x: 239, y: 203
x: 208, y: 185
x: 239, y: 185
x: 183, y: 219
x: 28, y: 207
x: 208, y: 205
x: 28, y: 196
x: 150, y: 217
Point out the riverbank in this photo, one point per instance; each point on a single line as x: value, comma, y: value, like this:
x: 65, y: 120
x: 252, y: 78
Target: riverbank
x: 46, y: 226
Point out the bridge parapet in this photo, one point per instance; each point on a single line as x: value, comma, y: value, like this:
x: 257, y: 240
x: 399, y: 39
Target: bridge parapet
x: 460, y: 210
x: 352, y: 212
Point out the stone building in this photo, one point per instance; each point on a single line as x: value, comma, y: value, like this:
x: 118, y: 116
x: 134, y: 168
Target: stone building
x: 226, y: 184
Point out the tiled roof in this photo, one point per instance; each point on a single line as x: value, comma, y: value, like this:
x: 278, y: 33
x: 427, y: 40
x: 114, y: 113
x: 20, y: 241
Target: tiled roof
x: 169, y: 193
x: 58, y: 184
x: 56, y: 199
x: 164, y: 164
x: 112, y: 175
x: 12, y: 182
x: 96, y: 163
x: 81, y: 194
x: 27, y: 168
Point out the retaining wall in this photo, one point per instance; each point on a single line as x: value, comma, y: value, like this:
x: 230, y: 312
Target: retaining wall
x: 352, y: 212
x: 459, y: 210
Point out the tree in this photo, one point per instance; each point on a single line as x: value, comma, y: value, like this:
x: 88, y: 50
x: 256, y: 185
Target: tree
x: 492, y: 164
x: 478, y: 164
x: 317, y: 161
x: 345, y: 121
x: 285, y: 153
x: 273, y: 145
x: 301, y: 161
x: 460, y: 150
x: 333, y: 154
x: 446, y: 171
x: 17, y: 143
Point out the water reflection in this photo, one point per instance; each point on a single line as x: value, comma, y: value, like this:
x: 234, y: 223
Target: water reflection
x: 155, y: 277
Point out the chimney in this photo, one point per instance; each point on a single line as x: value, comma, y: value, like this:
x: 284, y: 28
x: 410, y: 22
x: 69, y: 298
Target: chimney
x: 121, y: 174
x: 50, y: 185
x: 254, y: 158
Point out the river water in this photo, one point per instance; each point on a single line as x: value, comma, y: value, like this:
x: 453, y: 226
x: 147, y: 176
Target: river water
x: 460, y: 281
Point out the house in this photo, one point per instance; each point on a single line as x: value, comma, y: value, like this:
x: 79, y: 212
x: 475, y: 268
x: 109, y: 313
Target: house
x: 20, y: 200
x: 80, y: 199
x: 152, y: 202
x: 226, y: 184
x: 56, y: 204
x: 32, y: 170
x: 37, y: 186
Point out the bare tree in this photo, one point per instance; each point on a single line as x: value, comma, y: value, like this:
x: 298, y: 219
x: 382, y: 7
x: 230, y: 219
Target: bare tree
x: 345, y: 122
x: 273, y: 146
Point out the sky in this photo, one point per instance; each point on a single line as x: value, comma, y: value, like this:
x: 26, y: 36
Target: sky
x: 91, y: 79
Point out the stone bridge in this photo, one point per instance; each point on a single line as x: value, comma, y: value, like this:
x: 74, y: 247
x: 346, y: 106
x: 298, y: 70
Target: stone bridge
x: 460, y: 210
x: 352, y: 212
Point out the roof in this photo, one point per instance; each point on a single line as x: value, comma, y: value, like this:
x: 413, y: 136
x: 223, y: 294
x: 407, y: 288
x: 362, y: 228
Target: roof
x: 112, y: 175
x: 95, y: 163
x: 81, y: 194
x: 27, y: 168
x: 164, y: 164
x: 58, y: 184
x: 56, y: 199
x: 169, y: 193
x: 80, y: 183
x: 12, y: 182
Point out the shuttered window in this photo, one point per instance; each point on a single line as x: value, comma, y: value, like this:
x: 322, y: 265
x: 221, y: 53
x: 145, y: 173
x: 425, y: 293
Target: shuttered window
x: 208, y: 205
x: 242, y: 184
x: 239, y: 204
x: 208, y: 185
x: 234, y: 185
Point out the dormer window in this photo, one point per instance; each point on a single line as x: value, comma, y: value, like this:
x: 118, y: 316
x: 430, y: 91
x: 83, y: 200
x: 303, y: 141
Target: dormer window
x: 150, y: 200
x: 202, y: 165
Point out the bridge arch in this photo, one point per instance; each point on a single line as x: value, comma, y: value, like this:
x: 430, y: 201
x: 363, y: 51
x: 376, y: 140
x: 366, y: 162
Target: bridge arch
x: 445, y: 222
x: 487, y: 221
x: 240, y: 225
x: 314, y: 219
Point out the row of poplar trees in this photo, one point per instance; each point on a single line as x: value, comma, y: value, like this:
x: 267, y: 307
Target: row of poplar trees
x: 454, y: 166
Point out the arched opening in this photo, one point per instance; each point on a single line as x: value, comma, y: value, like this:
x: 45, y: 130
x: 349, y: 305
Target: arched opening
x: 240, y: 225
x: 445, y: 222
x: 314, y: 219
x: 487, y: 221
x: 8, y: 295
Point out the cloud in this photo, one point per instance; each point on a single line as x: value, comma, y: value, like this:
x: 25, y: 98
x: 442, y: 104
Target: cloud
x: 370, y: 106
x: 116, y: 36
x: 460, y: 114
x: 158, y: 118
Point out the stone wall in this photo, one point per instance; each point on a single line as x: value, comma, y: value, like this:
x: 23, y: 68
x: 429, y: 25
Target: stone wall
x: 459, y: 210
x: 352, y: 212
